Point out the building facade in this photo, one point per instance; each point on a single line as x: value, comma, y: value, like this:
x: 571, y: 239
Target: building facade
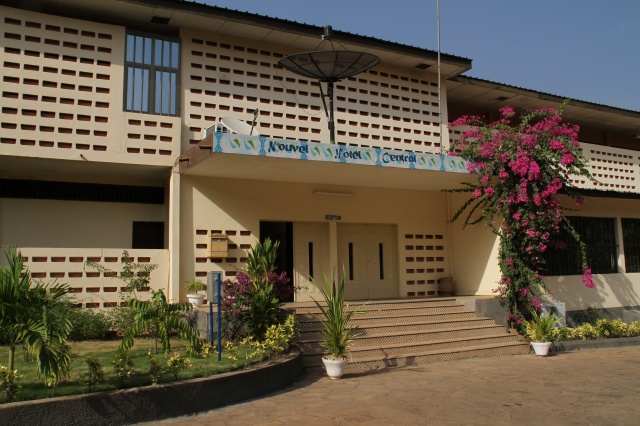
x: 111, y: 140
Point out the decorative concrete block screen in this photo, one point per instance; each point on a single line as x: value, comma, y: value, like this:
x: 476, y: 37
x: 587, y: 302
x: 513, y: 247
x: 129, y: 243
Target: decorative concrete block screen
x: 378, y: 108
x: 424, y: 257
x: 240, y: 241
x: 615, y: 169
x: 62, y: 92
x: 89, y: 287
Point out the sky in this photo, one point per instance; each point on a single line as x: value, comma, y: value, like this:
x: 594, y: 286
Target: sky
x: 581, y: 49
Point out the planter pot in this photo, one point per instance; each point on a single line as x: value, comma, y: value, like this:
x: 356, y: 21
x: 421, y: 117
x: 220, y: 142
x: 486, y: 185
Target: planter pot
x: 196, y: 299
x: 541, y: 348
x: 335, y: 367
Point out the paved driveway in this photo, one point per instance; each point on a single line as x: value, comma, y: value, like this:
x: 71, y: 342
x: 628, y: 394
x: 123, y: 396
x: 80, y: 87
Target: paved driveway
x: 587, y: 387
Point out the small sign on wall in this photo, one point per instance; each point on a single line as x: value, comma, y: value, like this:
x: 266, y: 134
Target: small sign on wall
x: 332, y: 217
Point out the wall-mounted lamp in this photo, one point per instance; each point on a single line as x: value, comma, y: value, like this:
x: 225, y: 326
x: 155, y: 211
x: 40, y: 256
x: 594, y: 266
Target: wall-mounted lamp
x: 339, y: 194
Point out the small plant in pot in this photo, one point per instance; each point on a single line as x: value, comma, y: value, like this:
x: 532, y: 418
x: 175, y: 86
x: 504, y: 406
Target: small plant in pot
x: 337, y: 335
x: 194, y: 287
x: 539, y: 330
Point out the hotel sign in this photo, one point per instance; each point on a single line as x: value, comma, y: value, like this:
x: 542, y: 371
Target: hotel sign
x: 312, y: 151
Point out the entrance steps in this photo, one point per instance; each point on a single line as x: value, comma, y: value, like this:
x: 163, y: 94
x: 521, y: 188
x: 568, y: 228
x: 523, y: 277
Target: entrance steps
x: 409, y: 332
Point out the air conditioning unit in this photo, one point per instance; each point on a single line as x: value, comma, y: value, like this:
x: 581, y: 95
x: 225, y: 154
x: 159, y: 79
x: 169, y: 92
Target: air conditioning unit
x: 555, y: 308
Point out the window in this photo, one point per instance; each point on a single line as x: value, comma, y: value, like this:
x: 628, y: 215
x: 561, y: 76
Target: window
x: 148, y: 235
x: 631, y: 241
x: 598, y: 234
x: 151, y: 74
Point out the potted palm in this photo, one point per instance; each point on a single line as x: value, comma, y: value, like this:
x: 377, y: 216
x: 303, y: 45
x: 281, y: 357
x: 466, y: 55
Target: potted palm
x: 539, y: 330
x: 337, y: 335
x: 193, y: 288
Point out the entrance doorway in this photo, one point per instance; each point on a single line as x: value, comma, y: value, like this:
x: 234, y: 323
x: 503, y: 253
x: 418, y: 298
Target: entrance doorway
x: 367, y: 258
x: 283, y: 232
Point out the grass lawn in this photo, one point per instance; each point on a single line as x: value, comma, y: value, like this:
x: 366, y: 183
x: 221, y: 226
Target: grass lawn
x: 33, y: 387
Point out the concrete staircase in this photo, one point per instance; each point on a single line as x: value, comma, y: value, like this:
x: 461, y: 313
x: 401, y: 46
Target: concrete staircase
x: 408, y: 332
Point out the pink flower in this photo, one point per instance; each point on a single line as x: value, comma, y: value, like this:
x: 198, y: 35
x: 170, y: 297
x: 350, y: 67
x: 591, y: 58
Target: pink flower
x: 523, y: 292
x: 507, y: 112
x: 536, y: 304
x: 567, y: 159
x: 489, y: 191
x: 587, y: 278
x: 477, y: 193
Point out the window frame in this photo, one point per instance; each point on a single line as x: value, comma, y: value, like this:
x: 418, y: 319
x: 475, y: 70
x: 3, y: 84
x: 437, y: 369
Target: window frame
x: 631, y: 244
x: 563, y: 262
x: 146, y: 60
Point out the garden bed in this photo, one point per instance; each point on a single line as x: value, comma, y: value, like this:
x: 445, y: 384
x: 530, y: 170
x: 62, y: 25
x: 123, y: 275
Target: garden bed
x: 571, y: 345
x: 152, y: 403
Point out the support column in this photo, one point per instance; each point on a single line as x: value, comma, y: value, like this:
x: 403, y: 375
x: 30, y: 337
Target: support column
x: 174, y: 237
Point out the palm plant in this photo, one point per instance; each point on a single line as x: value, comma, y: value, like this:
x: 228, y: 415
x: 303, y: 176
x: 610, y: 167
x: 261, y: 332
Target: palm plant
x: 336, y: 315
x: 32, y: 315
x: 540, y: 328
x: 261, y: 260
x: 161, y: 318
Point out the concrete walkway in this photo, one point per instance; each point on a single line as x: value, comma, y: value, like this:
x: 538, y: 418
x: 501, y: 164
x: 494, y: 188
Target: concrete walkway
x: 587, y: 387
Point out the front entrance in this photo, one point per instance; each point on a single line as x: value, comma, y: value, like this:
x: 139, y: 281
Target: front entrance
x: 367, y: 258
x: 311, y: 258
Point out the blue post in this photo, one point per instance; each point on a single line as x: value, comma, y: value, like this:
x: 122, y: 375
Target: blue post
x: 219, y: 280
x: 211, y: 322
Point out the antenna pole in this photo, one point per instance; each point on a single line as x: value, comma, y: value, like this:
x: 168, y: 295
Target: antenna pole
x: 332, y: 130
x: 439, y: 80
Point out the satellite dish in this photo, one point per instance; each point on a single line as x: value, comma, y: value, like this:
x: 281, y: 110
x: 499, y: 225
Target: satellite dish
x: 238, y: 126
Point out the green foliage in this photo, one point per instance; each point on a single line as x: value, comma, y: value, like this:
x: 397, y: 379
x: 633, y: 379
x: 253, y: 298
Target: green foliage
x: 162, y: 318
x: 178, y: 363
x: 335, y: 317
x: 278, y: 337
x: 94, y: 375
x: 32, y: 314
x: 264, y: 311
x: 585, y: 332
x: 122, y: 367
x: 540, y: 327
x: 136, y: 276
x: 87, y: 324
x: 611, y: 328
x: 195, y: 285
x: 206, y: 352
x: 119, y: 319
x: 261, y: 260
x: 634, y: 329
x: 9, y: 383
x: 156, y: 370
x: 561, y: 334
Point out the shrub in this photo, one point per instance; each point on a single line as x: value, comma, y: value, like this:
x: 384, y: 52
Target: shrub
x: 119, y: 320
x: 634, y: 329
x: 561, y: 334
x: 178, y: 363
x: 156, y: 370
x: 94, y: 375
x: 278, y: 337
x: 87, y: 324
x: 122, y: 367
x: 9, y: 383
x: 611, y: 328
x: 585, y: 332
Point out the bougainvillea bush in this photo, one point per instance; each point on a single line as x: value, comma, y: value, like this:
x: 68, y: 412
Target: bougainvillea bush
x: 521, y: 170
x: 239, y: 294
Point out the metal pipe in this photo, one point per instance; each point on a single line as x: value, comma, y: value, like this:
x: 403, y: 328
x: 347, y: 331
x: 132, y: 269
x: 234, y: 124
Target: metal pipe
x: 332, y: 130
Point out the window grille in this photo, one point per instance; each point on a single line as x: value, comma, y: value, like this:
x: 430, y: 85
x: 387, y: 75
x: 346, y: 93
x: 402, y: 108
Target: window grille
x: 631, y: 244
x: 151, y: 74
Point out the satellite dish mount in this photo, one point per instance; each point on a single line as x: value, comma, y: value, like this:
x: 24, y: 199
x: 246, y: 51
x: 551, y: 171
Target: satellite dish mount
x: 329, y: 66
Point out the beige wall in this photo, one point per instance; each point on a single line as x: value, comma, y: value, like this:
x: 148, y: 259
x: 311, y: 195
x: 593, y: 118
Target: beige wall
x: 62, y: 94
x: 476, y: 271
x: 50, y: 223
x: 236, y: 207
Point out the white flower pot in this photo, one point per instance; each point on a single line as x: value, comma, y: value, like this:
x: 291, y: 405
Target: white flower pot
x: 196, y: 299
x: 335, y: 367
x: 541, y: 348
